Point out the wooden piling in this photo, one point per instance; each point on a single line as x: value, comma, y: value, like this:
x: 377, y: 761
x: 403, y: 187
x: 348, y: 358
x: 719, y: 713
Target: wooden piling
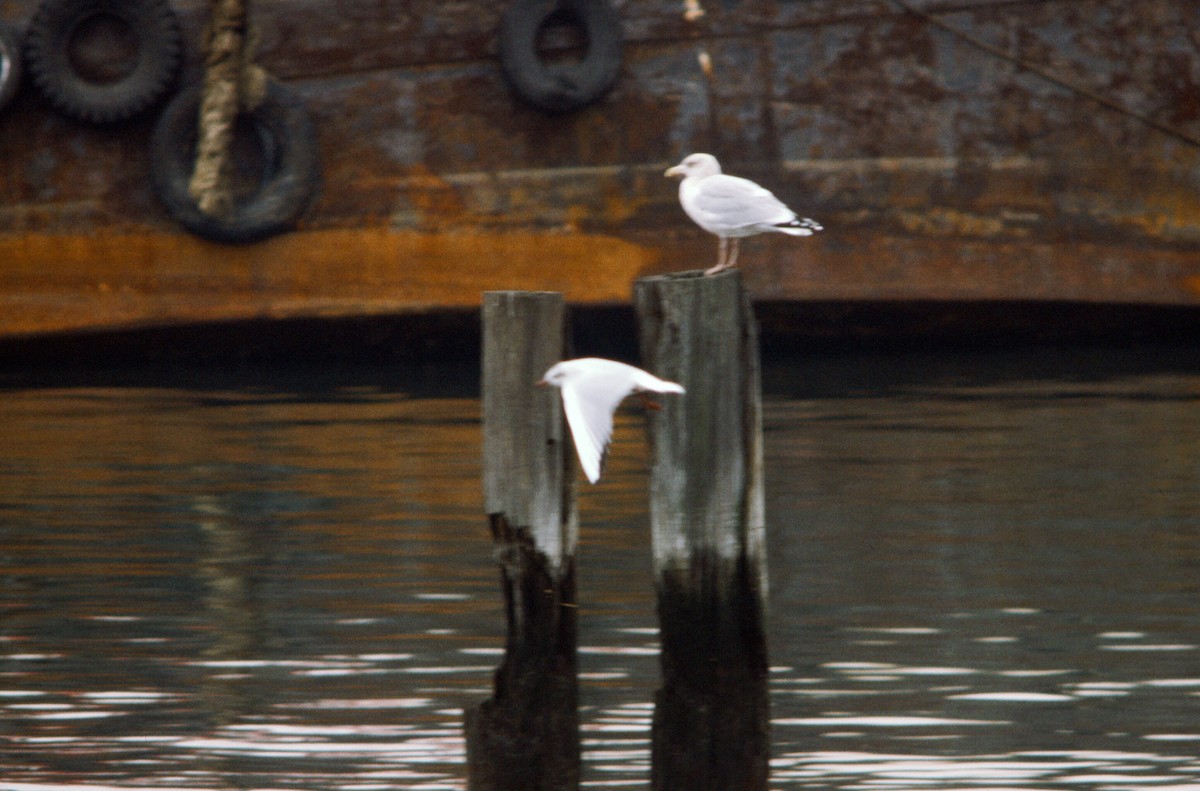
x: 712, y: 716
x: 526, y: 736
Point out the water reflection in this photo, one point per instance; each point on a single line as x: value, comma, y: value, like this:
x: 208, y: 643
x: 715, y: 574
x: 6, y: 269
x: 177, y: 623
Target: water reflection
x: 983, y: 575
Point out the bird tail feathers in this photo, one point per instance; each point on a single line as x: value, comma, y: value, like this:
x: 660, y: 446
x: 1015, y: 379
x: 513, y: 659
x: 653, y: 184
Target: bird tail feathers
x: 801, y: 226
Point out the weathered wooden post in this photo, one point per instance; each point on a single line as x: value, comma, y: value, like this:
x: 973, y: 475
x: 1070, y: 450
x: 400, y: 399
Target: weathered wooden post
x: 526, y: 736
x: 712, y: 716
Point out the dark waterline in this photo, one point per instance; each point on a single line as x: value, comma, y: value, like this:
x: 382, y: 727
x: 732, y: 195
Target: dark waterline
x: 984, y: 574
x: 443, y: 337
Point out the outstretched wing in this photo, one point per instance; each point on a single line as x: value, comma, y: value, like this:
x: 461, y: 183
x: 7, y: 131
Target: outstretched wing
x: 731, y: 202
x: 589, y: 403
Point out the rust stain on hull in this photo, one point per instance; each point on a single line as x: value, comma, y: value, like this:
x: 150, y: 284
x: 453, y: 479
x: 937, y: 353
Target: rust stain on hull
x: 56, y: 283
x: 907, y: 268
x: 60, y: 283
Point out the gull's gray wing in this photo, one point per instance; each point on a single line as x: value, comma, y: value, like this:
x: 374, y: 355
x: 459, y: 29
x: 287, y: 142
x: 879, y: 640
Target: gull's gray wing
x: 733, y: 202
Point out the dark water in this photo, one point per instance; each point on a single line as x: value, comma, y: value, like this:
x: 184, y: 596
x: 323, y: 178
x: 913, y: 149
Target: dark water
x: 985, y: 573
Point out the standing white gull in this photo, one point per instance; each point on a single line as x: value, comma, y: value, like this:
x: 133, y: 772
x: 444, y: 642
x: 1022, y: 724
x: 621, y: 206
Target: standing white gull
x: 732, y: 207
x: 592, y: 388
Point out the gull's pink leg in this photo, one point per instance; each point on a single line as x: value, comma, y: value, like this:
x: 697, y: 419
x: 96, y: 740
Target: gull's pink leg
x: 722, y: 254
x: 732, y: 262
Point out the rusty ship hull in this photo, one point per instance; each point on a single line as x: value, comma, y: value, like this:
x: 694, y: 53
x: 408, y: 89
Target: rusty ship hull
x: 968, y: 153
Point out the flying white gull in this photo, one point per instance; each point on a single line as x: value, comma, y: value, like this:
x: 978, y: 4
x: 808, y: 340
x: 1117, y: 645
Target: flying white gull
x: 732, y: 207
x: 592, y: 388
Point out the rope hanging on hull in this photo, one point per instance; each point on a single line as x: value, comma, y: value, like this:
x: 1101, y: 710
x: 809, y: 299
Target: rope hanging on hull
x: 232, y: 84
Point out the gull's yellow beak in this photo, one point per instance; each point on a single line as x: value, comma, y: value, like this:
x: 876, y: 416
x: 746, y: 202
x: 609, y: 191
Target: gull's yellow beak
x: 541, y: 383
x: 674, y: 170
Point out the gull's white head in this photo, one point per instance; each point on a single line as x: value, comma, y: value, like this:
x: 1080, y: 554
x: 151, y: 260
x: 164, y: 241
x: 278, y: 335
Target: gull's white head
x: 695, y: 166
x: 558, y: 374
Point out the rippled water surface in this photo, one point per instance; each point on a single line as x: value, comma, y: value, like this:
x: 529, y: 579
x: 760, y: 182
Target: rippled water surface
x: 985, y: 573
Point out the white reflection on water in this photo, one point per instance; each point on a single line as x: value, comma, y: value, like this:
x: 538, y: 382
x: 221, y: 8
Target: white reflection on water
x: 841, y: 720
x: 85, y: 787
x: 1014, y: 697
x: 399, y: 743
x: 378, y: 703
x: 877, y: 669
x: 1024, y: 771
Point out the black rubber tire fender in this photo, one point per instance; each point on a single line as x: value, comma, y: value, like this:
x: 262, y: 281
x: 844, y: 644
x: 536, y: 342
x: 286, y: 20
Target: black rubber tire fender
x: 50, y: 59
x: 290, y: 170
x: 10, y: 64
x: 560, y: 87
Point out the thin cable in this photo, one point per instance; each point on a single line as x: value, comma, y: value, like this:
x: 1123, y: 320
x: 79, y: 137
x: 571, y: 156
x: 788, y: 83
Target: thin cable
x: 1046, y: 74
